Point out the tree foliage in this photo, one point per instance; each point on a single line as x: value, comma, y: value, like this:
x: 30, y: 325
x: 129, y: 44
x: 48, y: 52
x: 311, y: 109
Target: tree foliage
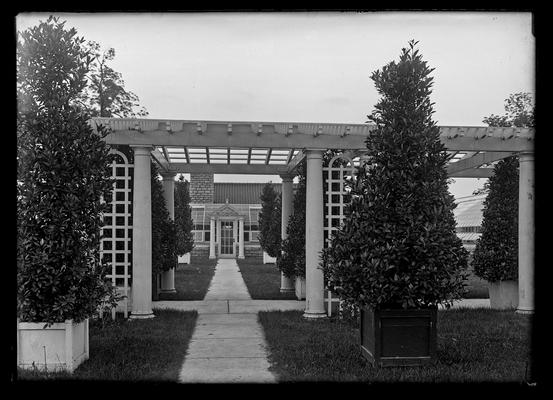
x: 270, y: 221
x: 397, y: 246
x: 495, y: 256
x: 105, y: 94
x: 183, y: 217
x: 63, y: 173
x: 292, y: 258
x: 164, y: 238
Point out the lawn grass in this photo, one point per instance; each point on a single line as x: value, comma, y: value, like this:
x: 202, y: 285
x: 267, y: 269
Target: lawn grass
x: 132, y: 350
x: 192, y: 280
x: 262, y: 280
x: 474, y: 345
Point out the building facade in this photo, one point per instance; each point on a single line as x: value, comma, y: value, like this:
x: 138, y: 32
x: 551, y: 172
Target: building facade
x: 225, y: 217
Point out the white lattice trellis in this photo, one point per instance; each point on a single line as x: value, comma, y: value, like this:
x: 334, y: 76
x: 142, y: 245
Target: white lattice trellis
x: 334, y: 177
x: 116, y: 244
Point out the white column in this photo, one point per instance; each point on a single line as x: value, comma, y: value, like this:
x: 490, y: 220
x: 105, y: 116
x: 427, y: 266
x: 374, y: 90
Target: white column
x: 168, y: 277
x: 235, y: 236
x: 241, y: 242
x: 219, y: 237
x: 314, y: 281
x: 142, y: 235
x: 286, y: 283
x: 526, y: 234
x: 212, y: 238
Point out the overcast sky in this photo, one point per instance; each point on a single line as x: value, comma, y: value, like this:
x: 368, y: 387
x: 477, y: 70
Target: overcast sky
x: 310, y: 67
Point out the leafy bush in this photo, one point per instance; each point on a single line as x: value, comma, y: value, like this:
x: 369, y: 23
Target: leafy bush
x: 63, y: 172
x: 270, y: 221
x: 292, y: 260
x: 164, y: 237
x: 495, y: 256
x: 397, y: 246
x: 183, y: 217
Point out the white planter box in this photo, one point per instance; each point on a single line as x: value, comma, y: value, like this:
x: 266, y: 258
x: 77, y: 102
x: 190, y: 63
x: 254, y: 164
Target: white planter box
x: 267, y: 259
x: 300, y: 288
x: 61, y: 346
x: 503, y: 294
x: 185, y: 259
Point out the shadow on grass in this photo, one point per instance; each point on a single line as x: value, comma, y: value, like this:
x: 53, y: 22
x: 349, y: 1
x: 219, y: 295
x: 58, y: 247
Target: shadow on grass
x: 474, y: 345
x: 192, y: 280
x: 132, y: 350
x: 262, y: 280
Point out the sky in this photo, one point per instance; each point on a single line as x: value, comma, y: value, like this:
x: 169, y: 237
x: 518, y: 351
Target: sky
x: 310, y: 66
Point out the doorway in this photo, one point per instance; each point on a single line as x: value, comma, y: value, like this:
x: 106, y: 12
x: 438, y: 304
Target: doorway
x: 227, y: 240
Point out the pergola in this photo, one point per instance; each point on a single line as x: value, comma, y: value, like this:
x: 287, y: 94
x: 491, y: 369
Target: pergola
x: 277, y: 148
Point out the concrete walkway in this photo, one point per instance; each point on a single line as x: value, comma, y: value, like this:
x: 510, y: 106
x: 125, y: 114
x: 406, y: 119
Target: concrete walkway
x: 226, y: 347
x: 228, y: 344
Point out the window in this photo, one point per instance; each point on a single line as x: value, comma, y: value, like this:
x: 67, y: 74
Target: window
x: 200, y: 229
x: 251, y: 229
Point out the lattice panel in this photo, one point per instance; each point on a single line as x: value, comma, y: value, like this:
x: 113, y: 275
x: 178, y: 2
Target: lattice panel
x: 116, y: 244
x: 334, y: 176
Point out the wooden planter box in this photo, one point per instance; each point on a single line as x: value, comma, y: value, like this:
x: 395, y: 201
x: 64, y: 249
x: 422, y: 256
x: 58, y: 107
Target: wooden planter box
x: 267, y: 259
x: 61, y: 346
x: 300, y: 288
x: 184, y: 259
x: 398, y: 337
x: 503, y: 294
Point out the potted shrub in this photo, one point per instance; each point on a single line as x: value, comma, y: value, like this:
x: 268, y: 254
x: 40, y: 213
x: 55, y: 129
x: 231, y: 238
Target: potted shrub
x: 183, y: 221
x: 292, y: 259
x: 396, y: 256
x: 495, y: 256
x: 63, y: 173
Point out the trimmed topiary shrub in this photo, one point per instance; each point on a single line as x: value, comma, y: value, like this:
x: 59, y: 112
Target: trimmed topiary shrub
x: 270, y: 221
x: 183, y: 217
x: 63, y: 173
x: 495, y: 257
x: 397, y: 246
x: 164, y: 238
x: 292, y: 260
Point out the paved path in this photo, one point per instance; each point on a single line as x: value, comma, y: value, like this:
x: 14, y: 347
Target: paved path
x: 228, y: 344
x: 226, y: 347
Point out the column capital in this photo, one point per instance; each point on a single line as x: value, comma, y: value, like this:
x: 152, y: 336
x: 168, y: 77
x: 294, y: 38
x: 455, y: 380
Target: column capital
x: 526, y: 156
x: 287, y: 177
x: 141, y: 149
x: 313, y: 153
x: 168, y: 175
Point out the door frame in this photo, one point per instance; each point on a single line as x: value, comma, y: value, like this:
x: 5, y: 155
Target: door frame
x: 223, y: 220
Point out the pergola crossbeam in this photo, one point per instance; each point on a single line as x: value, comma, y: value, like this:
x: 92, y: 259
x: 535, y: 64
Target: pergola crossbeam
x: 475, y: 161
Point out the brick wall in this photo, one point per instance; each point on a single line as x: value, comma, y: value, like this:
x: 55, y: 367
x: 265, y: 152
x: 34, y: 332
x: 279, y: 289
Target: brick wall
x: 201, y: 188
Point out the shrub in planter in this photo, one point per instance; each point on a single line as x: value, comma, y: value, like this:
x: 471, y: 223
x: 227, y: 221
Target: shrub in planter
x: 63, y: 172
x: 164, y: 234
x: 292, y: 259
x: 495, y: 257
x: 396, y: 255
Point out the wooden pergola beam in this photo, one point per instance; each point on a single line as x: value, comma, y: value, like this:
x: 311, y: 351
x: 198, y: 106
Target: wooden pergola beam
x: 160, y: 159
x: 260, y: 169
x: 305, y: 135
x: 476, y: 161
x: 473, y: 173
